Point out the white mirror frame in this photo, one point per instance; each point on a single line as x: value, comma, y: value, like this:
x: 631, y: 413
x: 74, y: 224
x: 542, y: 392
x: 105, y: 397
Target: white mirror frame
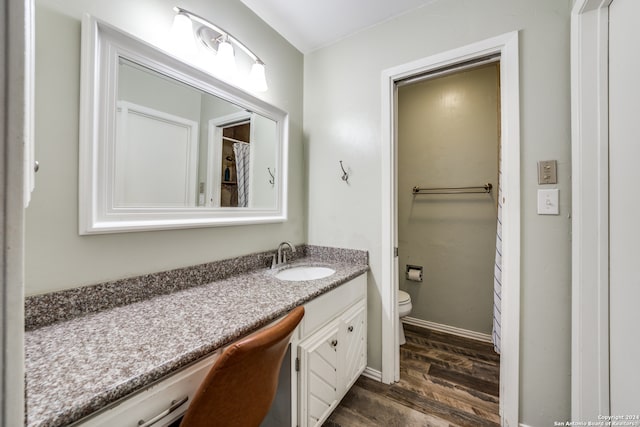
x: 102, y: 46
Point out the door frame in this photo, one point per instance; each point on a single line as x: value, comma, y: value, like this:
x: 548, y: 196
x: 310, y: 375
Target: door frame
x: 16, y: 130
x: 590, y: 209
x: 507, y: 46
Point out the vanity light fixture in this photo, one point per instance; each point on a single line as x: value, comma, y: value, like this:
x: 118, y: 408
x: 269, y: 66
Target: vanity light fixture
x: 182, y: 39
x: 212, y: 39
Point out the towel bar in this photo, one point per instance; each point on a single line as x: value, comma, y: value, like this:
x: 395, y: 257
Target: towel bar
x: 454, y: 190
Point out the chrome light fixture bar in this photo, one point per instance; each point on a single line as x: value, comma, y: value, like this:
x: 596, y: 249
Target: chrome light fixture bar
x: 220, y: 41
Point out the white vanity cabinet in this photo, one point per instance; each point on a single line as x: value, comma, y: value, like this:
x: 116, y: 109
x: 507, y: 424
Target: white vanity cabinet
x: 331, y: 348
x: 332, y: 352
x: 158, y: 405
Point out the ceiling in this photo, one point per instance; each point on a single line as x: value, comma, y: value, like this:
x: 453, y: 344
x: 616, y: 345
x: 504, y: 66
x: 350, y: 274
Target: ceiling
x: 312, y: 24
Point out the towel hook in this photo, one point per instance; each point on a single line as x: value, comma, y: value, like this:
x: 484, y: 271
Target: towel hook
x: 345, y: 175
x: 272, y: 180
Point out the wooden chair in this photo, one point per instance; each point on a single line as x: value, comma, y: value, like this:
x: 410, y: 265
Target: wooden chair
x: 241, y: 385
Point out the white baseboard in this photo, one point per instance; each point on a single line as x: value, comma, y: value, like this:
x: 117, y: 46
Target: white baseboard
x: 373, y: 374
x: 448, y: 329
x: 522, y: 425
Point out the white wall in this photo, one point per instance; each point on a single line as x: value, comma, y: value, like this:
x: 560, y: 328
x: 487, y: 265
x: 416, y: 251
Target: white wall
x: 56, y: 256
x: 342, y: 114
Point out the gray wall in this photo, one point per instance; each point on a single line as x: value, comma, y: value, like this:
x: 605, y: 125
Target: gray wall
x: 342, y: 113
x: 448, y: 137
x: 56, y: 256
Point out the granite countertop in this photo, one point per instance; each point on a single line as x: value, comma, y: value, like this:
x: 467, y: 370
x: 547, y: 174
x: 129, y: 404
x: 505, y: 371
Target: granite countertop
x: 78, y: 366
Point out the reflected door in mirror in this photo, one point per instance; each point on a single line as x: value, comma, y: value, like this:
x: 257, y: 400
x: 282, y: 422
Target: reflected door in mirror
x: 234, y: 188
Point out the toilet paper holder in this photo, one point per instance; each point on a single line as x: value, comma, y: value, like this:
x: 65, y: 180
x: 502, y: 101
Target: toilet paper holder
x: 414, y: 273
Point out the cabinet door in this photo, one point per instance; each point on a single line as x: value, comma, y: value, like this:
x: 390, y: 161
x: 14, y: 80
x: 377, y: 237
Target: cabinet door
x: 319, y: 381
x: 355, y: 344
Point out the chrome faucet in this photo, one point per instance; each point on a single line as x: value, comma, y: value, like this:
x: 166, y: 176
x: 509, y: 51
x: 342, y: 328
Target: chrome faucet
x: 281, y: 257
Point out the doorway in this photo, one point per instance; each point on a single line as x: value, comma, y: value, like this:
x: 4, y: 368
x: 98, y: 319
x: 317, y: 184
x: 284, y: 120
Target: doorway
x: 228, y: 161
x: 506, y: 47
x: 232, y: 190
x: 448, y: 155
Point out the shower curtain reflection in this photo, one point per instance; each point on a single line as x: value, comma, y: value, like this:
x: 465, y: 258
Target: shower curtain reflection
x: 241, y: 150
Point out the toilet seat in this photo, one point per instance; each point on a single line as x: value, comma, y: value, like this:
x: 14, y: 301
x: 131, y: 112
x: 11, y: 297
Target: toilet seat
x: 403, y: 297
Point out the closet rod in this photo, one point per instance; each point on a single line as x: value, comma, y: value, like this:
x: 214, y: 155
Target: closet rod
x: 226, y: 138
x: 454, y: 190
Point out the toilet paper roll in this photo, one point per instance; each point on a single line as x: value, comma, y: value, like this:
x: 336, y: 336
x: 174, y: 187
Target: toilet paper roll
x: 414, y: 274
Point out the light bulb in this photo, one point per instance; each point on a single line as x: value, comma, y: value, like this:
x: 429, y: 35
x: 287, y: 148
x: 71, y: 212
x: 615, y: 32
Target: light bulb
x: 226, y: 59
x: 182, y: 39
x: 257, y: 78
x: 207, y: 58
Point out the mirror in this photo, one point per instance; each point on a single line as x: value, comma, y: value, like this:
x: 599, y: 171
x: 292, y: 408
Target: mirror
x: 166, y: 145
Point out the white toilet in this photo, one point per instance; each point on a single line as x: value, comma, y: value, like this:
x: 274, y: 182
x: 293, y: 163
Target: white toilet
x: 404, y: 308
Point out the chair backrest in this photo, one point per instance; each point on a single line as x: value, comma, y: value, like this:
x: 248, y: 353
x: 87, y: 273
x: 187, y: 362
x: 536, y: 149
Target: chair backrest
x: 241, y: 385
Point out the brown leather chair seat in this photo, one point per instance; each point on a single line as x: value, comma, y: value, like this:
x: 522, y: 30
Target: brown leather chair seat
x: 241, y: 385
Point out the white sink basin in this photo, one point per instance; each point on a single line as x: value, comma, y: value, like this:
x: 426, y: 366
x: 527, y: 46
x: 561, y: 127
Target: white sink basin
x: 304, y: 272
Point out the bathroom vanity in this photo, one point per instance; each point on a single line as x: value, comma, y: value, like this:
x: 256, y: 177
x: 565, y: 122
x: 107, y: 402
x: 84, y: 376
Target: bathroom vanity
x: 332, y: 352
x: 133, y: 351
x: 140, y: 363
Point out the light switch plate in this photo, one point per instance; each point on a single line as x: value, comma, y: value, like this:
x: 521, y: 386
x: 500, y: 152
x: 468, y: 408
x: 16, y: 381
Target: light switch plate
x: 547, y: 172
x: 548, y: 202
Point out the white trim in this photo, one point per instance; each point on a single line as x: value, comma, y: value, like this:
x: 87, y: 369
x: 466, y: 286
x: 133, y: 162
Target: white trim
x: 507, y: 46
x: 16, y: 101
x: 373, y: 374
x: 389, y: 240
x: 464, y: 333
x: 590, y: 201
x: 29, y: 101
x: 510, y: 147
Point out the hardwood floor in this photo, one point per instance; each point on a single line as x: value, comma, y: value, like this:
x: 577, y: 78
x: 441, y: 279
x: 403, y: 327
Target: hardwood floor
x: 445, y: 380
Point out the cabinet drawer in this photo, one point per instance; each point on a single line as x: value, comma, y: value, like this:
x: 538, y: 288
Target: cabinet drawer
x: 154, y: 400
x: 330, y: 305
